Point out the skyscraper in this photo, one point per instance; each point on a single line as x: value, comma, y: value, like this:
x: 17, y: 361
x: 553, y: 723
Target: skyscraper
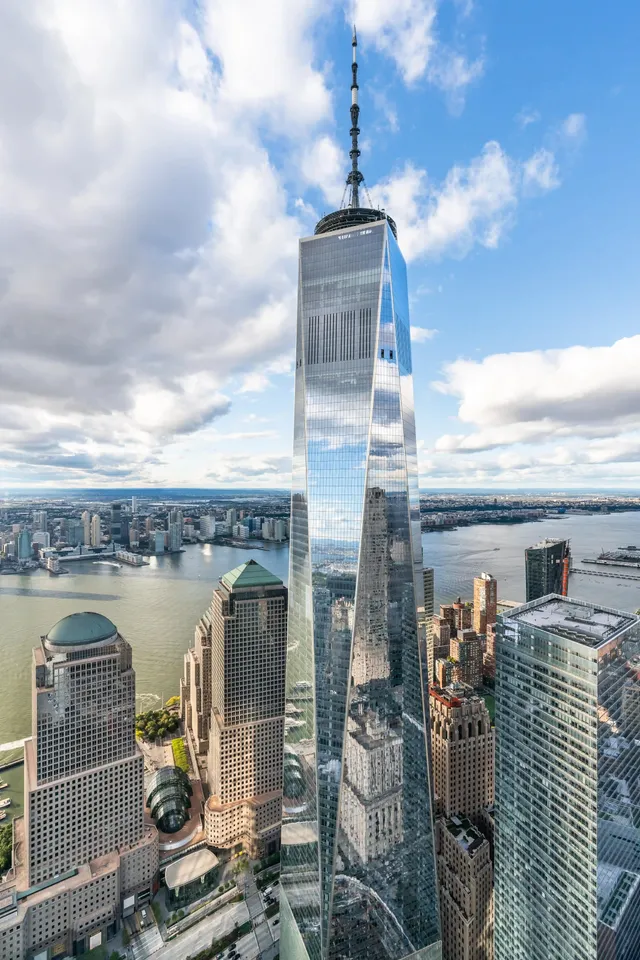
x: 241, y: 681
x: 567, y: 836
x: 116, y: 522
x: 544, y: 568
x: 83, y: 855
x: 358, y: 865
x: 485, y: 600
x: 429, y: 590
x: 86, y: 527
x: 96, y: 530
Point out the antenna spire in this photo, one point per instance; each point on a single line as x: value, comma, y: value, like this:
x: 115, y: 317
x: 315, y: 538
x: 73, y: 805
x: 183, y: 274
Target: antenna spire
x: 355, y: 177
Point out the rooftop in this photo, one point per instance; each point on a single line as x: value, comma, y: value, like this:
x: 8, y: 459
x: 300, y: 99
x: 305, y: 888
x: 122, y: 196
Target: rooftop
x: 465, y: 834
x: 547, y: 542
x: 573, y: 619
x: 81, y: 628
x: 250, y: 574
x: 189, y: 868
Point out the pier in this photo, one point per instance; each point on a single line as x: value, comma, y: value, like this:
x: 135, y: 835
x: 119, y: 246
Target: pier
x: 601, y: 573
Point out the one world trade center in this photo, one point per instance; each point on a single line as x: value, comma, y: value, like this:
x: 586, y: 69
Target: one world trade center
x: 358, y: 870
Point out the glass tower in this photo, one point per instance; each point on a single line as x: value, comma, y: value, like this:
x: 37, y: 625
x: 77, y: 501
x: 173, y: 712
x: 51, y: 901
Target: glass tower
x: 358, y: 876
x: 567, y: 791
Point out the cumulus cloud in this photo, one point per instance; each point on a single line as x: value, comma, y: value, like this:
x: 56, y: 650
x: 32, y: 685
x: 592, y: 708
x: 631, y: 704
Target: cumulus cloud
x: 474, y: 204
x: 275, y: 471
x: 406, y: 30
x: 527, y: 116
x: 545, y: 395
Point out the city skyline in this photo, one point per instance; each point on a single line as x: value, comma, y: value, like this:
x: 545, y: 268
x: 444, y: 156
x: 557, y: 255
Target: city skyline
x: 156, y: 346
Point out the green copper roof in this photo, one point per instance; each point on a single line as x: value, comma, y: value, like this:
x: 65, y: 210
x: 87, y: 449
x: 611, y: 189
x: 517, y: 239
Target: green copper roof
x: 249, y: 574
x: 80, y: 628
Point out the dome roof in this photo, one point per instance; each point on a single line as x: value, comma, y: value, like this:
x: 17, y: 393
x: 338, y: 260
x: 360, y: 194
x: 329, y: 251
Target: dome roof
x: 79, y: 629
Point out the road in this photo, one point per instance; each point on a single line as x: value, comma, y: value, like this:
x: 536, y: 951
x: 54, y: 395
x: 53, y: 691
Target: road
x: 201, y: 935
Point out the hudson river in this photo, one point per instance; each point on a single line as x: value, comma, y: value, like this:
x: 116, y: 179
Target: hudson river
x: 157, y: 607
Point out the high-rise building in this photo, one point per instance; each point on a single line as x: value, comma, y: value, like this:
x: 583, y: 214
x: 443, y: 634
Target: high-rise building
x: 158, y: 544
x: 150, y: 525
x: 351, y: 887
x: 567, y: 827
x: 116, y: 522
x: 429, y: 590
x: 40, y: 520
x: 463, y: 743
x: 466, y: 650
x: 75, y: 532
x: 86, y: 527
x: 134, y: 506
x: 232, y: 517
x: 485, y: 600
x: 175, y: 536
x: 465, y: 877
x: 544, y: 568
x: 96, y: 531
x: 245, y: 635
x: 83, y: 856
x: 462, y: 615
x: 24, y: 549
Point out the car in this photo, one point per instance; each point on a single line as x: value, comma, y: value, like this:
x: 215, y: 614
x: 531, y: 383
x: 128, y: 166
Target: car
x: 275, y: 883
x: 277, y: 920
x: 268, y: 891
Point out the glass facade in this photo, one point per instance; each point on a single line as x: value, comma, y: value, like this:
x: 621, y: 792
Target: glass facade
x: 358, y: 876
x: 567, y: 840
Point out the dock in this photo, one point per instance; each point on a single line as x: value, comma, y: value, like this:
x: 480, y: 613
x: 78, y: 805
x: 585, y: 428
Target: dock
x: 601, y: 573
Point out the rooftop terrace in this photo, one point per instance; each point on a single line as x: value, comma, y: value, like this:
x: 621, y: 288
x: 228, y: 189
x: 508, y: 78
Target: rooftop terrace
x: 576, y: 620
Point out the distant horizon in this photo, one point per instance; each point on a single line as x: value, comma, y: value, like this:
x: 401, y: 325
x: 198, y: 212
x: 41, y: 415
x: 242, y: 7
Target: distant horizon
x: 128, y: 492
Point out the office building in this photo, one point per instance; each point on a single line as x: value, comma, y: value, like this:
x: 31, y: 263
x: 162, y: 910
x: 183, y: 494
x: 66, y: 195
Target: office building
x: 485, y: 600
x: 158, y: 542
x: 463, y: 743
x: 236, y: 673
x: 41, y: 539
x: 466, y: 651
x: 75, y: 533
x: 86, y: 527
x: 355, y: 532
x: 40, y: 520
x: 83, y: 856
x: 115, y: 527
x: 567, y: 835
x: 96, y: 531
x: 24, y: 549
x: 544, y: 564
x: 427, y: 620
x: 465, y: 877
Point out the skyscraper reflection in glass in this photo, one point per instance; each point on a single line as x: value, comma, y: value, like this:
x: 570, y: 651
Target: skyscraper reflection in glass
x: 358, y: 876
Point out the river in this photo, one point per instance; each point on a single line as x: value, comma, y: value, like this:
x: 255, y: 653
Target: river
x: 157, y: 607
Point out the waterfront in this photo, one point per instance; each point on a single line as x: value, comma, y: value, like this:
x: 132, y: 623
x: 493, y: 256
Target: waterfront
x: 157, y: 607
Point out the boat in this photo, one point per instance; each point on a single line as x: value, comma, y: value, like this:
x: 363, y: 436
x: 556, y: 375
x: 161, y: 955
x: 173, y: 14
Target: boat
x: 3, y: 785
x: 3, y: 816
x: 5, y: 803
x: 107, y: 563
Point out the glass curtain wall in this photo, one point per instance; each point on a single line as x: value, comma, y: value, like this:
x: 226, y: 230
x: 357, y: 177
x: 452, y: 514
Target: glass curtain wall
x: 358, y: 871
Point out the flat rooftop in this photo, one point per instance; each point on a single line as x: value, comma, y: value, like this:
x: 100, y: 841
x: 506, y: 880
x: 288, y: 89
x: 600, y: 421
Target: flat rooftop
x: 547, y: 542
x: 574, y: 619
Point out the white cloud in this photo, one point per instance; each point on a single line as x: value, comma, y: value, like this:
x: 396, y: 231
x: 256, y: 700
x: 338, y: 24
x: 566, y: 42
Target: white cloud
x: 541, y: 171
x: 323, y: 165
x: 527, y: 116
x: 422, y: 334
x: 406, y: 31
x: 545, y: 395
x: 475, y: 204
x: 575, y: 126
x: 269, y: 471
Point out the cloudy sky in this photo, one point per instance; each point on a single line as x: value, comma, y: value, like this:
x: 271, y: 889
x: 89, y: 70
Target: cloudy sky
x: 160, y: 159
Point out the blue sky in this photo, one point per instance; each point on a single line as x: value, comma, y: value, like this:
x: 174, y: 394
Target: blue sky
x: 160, y: 164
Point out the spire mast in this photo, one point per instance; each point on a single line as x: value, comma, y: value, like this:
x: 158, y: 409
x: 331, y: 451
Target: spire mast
x: 355, y: 177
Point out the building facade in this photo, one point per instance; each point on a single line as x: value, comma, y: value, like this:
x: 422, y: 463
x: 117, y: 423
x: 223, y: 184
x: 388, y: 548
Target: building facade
x: 567, y: 835
x: 232, y: 701
x: 466, y: 650
x: 83, y: 856
x: 356, y: 668
x: 544, y: 567
x: 465, y: 876
x: 463, y: 745
x: 485, y: 602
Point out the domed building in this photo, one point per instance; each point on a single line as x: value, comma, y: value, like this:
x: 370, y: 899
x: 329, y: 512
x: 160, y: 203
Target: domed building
x: 84, y: 855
